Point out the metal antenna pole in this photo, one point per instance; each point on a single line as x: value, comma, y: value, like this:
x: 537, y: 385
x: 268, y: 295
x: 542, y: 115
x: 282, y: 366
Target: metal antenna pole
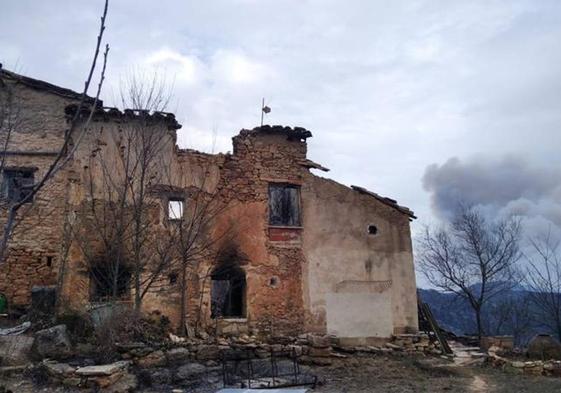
x: 262, y: 111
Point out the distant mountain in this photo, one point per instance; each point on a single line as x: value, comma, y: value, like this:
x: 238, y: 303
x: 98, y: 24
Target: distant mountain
x: 510, y: 313
x: 452, y: 312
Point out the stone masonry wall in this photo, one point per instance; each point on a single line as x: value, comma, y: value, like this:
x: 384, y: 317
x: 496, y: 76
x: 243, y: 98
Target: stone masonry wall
x: 288, y: 269
x: 273, y: 268
x: 33, y: 255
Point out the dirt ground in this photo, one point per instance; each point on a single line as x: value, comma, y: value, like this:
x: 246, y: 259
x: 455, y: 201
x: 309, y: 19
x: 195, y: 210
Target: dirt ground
x: 405, y: 375
x: 387, y: 374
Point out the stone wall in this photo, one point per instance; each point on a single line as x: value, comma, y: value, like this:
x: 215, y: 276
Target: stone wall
x: 272, y: 266
x: 34, y: 253
x: 290, y: 271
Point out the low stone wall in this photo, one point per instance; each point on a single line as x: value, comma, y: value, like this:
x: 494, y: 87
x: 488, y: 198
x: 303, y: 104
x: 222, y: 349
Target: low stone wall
x: 405, y: 343
x: 535, y: 367
x: 185, y: 361
x: 310, y: 348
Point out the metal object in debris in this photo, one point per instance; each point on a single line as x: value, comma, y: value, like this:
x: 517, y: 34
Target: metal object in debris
x: 241, y: 368
x: 3, y: 303
x: 263, y: 390
x: 14, y: 331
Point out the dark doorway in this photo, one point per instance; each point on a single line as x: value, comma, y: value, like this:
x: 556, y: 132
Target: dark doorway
x: 228, y: 291
x: 109, y: 282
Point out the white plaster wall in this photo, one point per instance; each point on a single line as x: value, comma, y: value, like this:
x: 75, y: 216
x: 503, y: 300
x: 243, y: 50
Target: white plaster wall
x: 352, y: 315
x: 338, y: 248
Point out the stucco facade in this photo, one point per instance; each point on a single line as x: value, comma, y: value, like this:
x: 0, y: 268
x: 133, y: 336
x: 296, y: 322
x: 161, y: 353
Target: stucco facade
x: 341, y: 263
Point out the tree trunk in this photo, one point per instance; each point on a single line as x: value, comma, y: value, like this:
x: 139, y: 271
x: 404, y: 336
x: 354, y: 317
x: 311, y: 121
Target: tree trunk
x: 479, y: 324
x: 182, y: 329
x: 8, y: 227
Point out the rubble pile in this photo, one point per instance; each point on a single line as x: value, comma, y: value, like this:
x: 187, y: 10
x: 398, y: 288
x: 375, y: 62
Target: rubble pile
x: 184, y: 361
x: 114, y: 377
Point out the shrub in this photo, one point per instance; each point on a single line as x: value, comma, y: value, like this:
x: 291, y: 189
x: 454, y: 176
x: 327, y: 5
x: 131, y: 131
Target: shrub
x: 79, y: 326
x: 128, y: 326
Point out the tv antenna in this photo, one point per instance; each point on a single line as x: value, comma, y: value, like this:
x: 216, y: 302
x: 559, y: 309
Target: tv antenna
x: 264, y: 109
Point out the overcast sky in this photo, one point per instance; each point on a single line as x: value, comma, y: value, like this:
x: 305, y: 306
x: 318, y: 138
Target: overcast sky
x: 422, y: 101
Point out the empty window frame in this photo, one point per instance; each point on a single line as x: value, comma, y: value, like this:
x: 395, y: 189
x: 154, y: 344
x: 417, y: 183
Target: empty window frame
x: 17, y: 184
x: 284, y: 204
x: 109, y: 281
x: 176, y: 207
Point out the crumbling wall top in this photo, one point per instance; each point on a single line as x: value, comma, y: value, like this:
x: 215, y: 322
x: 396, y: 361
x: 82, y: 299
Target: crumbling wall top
x: 111, y: 113
x: 388, y: 201
x: 296, y: 133
x: 40, y: 85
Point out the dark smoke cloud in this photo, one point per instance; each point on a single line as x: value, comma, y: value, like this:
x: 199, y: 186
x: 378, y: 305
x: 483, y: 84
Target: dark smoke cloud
x: 509, y: 185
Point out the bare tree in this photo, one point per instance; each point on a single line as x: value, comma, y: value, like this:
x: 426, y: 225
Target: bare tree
x: 510, y: 314
x: 543, y: 279
x: 11, y: 114
x: 473, y: 258
x: 119, y: 232
x: 145, y: 143
x: 196, y: 239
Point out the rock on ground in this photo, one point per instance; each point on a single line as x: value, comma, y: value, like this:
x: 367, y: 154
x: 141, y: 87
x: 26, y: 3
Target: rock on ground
x: 52, y: 343
x: 189, y: 371
x: 15, y: 350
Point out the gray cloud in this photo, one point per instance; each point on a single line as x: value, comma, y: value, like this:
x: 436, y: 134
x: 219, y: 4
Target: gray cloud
x: 386, y: 87
x: 500, y: 187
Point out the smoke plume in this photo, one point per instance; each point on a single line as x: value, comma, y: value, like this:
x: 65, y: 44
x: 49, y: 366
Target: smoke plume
x: 499, y: 187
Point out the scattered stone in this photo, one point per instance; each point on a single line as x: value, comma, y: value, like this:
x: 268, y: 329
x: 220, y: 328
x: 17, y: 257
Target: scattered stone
x: 101, y: 370
x: 189, y: 371
x: 16, y: 330
x: 127, y: 383
x: 208, y: 352
x: 58, y: 369
x: 319, y: 352
x: 154, y: 359
x: 72, y: 382
x: 52, y: 343
x: 15, y: 350
x: 160, y: 376
x: 394, y: 346
x: 106, y: 381
x: 319, y: 341
x: 544, y: 346
x: 176, y: 339
x: 141, y: 351
x: 11, y: 370
x: 179, y: 354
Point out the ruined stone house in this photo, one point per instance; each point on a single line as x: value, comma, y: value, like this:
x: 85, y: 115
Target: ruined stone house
x: 306, y: 254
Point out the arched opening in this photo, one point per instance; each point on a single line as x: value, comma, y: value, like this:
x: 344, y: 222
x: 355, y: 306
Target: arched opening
x: 228, y: 291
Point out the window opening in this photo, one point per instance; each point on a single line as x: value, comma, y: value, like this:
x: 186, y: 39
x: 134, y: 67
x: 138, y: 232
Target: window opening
x: 284, y: 205
x: 17, y: 184
x: 109, y: 281
x: 175, y: 209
